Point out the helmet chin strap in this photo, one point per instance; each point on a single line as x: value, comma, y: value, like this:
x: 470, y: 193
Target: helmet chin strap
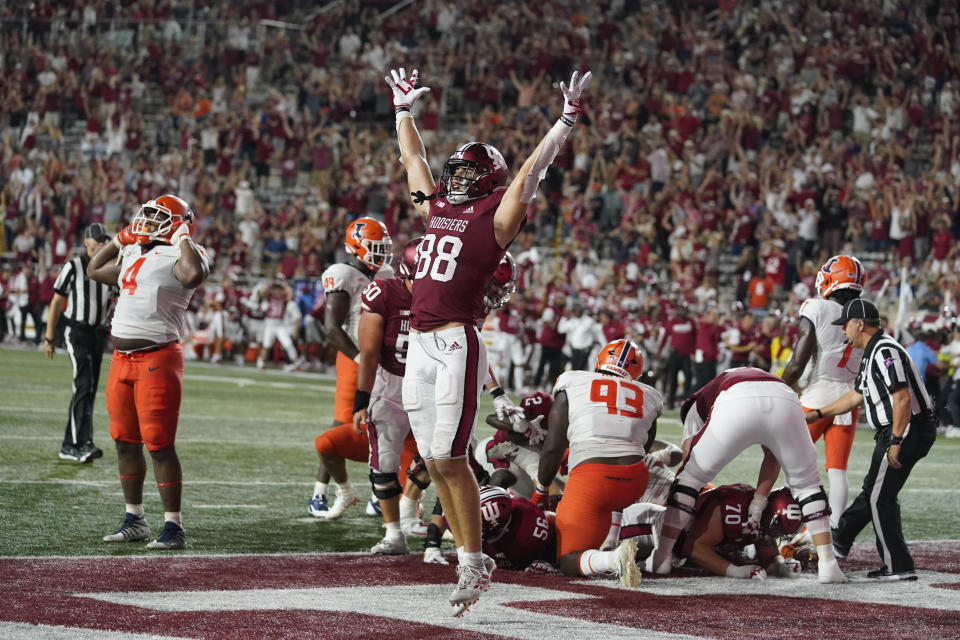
x: 419, y: 197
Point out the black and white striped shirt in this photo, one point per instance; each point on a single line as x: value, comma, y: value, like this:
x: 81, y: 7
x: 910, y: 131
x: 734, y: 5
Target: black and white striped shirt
x: 88, y: 301
x: 886, y: 367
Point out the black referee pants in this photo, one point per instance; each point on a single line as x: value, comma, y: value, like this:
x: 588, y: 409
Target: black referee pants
x: 85, y: 347
x: 878, y: 502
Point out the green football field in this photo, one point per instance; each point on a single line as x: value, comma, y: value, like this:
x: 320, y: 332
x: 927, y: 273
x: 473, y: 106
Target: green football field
x: 246, y: 444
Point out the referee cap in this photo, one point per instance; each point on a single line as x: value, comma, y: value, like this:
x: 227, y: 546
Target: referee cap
x: 857, y: 309
x: 96, y: 231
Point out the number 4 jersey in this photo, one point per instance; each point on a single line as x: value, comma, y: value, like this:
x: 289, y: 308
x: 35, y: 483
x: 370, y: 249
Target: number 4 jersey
x: 607, y: 416
x: 834, y: 365
x: 152, y: 302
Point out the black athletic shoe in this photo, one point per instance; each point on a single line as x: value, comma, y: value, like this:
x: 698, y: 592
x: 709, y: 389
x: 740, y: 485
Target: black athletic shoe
x: 70, y: 452
x: 883, y: 574
x: 89, y: 452
x: 839, y: 550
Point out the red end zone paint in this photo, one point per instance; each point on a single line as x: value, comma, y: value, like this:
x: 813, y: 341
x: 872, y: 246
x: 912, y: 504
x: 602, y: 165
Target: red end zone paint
x: 42, y: 591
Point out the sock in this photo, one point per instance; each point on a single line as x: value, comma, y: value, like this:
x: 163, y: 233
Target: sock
x: 172, y: 516
x: 460, y: 553
x: 320, y: 488
x: 433, y: 536
x: 474, y: 558
x: 135, y: 509
x: 839, y: 492
x: 593, y: 561
x: 825, y: 552
x: 408, y: 508
x: 613, y: 535
x: 392, y: 527
x: 345, y: 488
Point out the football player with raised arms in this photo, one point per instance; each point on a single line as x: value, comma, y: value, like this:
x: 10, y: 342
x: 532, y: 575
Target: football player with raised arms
x: 609, y: 421
x: 383, y: 336
x: 471, y: 217
x: 737, y: 409
x: 824, y: 365
x: 157, y: 266
x: 369, y: 250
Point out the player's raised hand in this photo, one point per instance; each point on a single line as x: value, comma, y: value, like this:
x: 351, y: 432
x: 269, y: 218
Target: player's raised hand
x: 125, y: 236
x: 405, y: 90
x: 572, y: 105
x: 181, y: 232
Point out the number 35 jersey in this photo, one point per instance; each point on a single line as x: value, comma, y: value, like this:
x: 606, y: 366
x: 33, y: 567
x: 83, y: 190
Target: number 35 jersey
x: 608, y: 416
x: 834, y: 365
x: 456, y: 259
x: 152, y: 303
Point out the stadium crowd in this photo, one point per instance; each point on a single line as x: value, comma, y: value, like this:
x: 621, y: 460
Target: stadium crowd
x: 728, y: 149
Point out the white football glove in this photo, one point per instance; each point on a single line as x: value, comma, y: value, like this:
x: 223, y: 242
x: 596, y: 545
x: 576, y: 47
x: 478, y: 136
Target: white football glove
x: 572, y: 106
x: 183, y: 231
x: 790, y: 568
x: 535, y: 433
x: 506, y: 410
x: 746, y: 571
x: 503, y: 451
x: 754, y: 514
x: 405, y: 90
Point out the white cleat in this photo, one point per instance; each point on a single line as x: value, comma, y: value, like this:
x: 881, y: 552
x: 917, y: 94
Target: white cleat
x: 472, y: 582
x: 343, y: 502
x: 828, y: 572
x: 626, y: 566
x: 391, y: 545
x: 433, y: 555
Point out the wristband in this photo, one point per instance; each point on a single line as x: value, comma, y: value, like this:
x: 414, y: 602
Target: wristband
x: 496, y: 392
x: 540, y: 488
x: 46, y: 339
x: 402, y: 114
x: 894, y: 440
x: 819, y: 413
x: 117, y: 243
x: 361, y: 400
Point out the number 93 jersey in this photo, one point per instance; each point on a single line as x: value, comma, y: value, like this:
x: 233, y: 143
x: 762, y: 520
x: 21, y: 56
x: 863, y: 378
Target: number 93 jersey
x: 608, y: 416
x: 152, y: 302
x: 834, y: 365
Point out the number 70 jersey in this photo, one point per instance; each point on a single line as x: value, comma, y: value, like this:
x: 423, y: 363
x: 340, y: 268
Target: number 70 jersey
x: 152, y: 303
x: 608, y: 416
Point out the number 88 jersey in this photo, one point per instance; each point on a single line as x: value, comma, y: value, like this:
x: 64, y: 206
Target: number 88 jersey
x: 152, y: 303
x: 608, y: 416
x: 456, y: 260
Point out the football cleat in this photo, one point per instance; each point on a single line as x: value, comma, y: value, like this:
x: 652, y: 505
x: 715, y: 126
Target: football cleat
x: 626, y: 564
x: 344, y: 501
x: 472, y: 581
x: 172, y: 537
x: 883, y: 574
x: 318, y: 507
x: 132, y: 529
x: 433, y: 555
x: 373, y: 507
x: 828, y: 572
x: 391, y: 545
x: 413, y: 527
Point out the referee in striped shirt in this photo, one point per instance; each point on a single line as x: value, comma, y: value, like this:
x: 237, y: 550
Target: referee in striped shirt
x: 898, y: 407
x: 85, y: 317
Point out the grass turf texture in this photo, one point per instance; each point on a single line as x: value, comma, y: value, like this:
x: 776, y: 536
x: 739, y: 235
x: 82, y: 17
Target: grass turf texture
x: 246, y: 444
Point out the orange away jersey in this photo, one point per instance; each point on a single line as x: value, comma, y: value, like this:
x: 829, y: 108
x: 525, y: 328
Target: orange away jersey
x: 152, y: 303
x: 608, y: 416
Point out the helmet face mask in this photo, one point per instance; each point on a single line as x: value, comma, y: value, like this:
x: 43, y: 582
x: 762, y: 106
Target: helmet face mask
x: 369, y: 241
x: 473, y: 171
x: 502, y: 284
x: 157, y: 219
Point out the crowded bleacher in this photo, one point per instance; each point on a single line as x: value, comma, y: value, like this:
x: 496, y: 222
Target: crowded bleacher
x: 727, y: 151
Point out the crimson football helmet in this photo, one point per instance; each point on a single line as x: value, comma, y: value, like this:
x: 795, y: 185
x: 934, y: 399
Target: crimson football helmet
x: 369, y: 240
x: 782, y: 517
x: 159, y: 218
x: 409, y: 258
x: 495, y: 507
x: 502, y: 283
x: 535, y: 405
x: 474, y: 170
x: 622, y: 358
x: 839, y: 272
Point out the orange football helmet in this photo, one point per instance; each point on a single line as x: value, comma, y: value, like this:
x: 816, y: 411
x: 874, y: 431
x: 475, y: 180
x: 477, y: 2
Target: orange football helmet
x: 369, y: 240
x: 839, y: 272
x: 622, y: 358
x: 158, y: 219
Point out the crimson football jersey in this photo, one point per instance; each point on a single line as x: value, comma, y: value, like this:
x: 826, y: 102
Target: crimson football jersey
x: 733, y: 501
x: 391, y: 300
x: 528, y: 537
x: 276, y: 303
x: 456, y: 259
x: 537, y: 404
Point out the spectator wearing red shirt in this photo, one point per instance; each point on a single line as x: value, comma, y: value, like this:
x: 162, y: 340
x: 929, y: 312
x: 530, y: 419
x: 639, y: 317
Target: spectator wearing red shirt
x: 709, y: 330
x: 681, y: 332
x: 613, y: 328
x: 740, y: 340
x: 551, y: 341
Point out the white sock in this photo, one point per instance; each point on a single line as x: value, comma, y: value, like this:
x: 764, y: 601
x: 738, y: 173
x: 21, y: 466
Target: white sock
x: 392, y: 527
x: 320, y: 488
x: 825, y: 552
x: 474, y: 558
x: 172, y: 516
x: 135, y: 509
x: 460, y: 553
x: 408, y: 508
x: 839, y: 492
x: 593, y: 562
x: 345, y: 488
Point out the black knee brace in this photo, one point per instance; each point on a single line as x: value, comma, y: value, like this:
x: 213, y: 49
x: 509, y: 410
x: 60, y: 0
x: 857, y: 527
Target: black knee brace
x: 815, y: 505
x: 385, y: 485
x: 689, y: 499
x: 416, y: 470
